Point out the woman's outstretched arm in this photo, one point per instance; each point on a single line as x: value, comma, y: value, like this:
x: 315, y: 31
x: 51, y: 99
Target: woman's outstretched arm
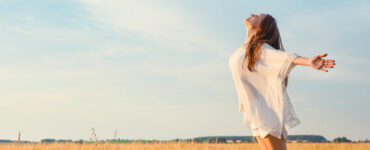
x: 315, y: 62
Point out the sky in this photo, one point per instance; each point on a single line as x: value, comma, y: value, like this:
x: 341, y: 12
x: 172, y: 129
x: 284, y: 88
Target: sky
x: 159, y: 69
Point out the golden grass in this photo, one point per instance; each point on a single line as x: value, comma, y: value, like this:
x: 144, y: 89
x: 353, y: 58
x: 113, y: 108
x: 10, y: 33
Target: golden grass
x: 180, y: 146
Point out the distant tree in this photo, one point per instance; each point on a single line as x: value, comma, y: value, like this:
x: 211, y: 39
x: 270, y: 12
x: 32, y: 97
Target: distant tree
x: 80, y: 141
x: 310, y: 138
x: 341, y: 140
x: 6, y: 141
x: 47, y: 140
x: 63, y: 141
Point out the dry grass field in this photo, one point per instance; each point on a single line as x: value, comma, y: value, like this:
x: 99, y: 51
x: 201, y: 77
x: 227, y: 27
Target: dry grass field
x: 181, y: 146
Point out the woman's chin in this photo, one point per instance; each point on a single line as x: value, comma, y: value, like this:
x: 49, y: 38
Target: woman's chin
x: 245, y: 22
x: 248, y: 26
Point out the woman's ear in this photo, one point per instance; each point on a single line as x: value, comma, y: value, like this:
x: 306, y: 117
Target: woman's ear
x: 259, y: 29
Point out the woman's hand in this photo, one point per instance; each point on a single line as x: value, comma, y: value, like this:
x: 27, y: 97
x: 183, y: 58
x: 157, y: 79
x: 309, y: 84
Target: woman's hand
x: 318, y: 63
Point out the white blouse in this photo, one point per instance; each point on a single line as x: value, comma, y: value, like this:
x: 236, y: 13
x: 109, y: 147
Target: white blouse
x: 262, y: 95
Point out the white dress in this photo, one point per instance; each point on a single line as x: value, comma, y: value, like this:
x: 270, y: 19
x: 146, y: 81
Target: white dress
x: 262, y: 96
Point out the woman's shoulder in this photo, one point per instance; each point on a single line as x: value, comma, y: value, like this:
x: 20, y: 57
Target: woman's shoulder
x: 268, y: 50
x: 267, y: 46
x: 236, y: 54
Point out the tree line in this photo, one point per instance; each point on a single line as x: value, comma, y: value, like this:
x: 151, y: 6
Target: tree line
x: 203, y: 139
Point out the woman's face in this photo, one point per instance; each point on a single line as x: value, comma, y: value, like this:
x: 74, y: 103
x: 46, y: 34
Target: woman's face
x: 253, y: 21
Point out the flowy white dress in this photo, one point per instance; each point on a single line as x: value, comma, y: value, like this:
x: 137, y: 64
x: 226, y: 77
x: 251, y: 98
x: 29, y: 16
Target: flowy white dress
x: 262, y: 95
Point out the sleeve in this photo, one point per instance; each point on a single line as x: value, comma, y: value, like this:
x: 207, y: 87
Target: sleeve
x: 237, y: 85
x: 288, y: 65
x: 281, y: 62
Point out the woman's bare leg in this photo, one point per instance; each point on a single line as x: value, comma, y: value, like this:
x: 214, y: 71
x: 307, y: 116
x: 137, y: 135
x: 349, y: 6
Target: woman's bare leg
x: 274, y: 143
x: 261, y: 143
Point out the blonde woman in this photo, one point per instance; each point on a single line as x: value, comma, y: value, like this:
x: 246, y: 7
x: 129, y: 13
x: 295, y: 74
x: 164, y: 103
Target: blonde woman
x: 260, y: 69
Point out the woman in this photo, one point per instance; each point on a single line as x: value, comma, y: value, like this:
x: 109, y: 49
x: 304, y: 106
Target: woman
x: 260, y: 70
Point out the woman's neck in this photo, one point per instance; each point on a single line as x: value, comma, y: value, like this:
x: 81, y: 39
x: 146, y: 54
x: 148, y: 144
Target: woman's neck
x: 248, y: 35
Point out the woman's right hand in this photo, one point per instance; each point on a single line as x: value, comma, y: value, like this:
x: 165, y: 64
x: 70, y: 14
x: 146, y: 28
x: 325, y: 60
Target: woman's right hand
x: 318, y: 63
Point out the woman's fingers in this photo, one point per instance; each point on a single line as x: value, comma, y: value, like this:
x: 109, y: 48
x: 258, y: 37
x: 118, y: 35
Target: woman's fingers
x: 324, y: 55
x: 324, y: 63
x: 329, y: 62
x: 327, y: 66
x: 320, y: 64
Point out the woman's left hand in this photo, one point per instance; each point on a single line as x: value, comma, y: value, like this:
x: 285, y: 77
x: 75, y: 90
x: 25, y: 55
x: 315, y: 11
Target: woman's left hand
x: 318, y: 63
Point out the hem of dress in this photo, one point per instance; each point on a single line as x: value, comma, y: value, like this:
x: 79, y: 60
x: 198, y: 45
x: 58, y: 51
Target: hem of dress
x: 264, y: 133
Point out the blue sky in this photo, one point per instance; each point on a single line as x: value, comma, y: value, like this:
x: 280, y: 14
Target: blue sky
x: 159, y: 70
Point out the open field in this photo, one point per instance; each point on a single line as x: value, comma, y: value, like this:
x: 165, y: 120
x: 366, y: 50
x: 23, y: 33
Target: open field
x: 181, y: 146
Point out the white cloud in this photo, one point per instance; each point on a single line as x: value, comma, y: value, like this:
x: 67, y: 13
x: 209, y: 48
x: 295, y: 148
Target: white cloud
x: 167, y: 26
x: 155, y: 21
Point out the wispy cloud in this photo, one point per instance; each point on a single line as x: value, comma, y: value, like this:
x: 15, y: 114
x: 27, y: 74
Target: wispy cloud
x: 156, y: 22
